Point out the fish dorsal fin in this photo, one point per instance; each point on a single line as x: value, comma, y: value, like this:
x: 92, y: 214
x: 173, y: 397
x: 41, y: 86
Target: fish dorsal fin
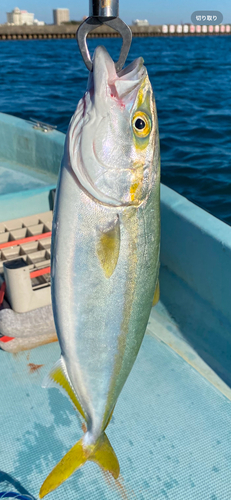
x: 156, y: 297
x: 58, y: 377
x: 108, y: 248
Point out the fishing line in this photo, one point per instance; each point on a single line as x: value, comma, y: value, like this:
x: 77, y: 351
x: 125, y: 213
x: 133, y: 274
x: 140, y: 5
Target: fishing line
x: 13, y: 494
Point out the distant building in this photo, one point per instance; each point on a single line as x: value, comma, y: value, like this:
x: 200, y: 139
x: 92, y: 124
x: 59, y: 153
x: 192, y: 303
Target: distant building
x: 20, y: 17
x: 140, y: 22
x: 61, y: 16
x: 38, y: 23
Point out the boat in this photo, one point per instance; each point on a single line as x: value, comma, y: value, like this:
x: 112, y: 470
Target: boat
x: 30, y: 155
x: 171, y: 428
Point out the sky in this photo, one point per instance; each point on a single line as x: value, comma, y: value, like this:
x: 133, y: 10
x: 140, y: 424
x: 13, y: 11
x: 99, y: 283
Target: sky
x: 157, y: 12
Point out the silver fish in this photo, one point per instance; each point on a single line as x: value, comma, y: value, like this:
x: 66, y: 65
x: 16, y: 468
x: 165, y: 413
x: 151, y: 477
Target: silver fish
x: 105, y: 250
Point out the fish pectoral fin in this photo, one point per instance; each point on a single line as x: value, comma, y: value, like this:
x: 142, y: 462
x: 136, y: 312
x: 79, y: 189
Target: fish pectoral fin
x: 101, y: 453
x: 108, y: 248
x: 156, y: 297
x: 105, y: 457
x: 74, y: 458
x: 58, y: 377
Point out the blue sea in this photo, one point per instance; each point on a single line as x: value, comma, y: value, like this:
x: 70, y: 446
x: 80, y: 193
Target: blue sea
x: 191, y: 78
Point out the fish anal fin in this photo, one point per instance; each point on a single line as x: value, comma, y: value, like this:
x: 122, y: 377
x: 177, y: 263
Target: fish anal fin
x: 107, y: 249
x: 105, y: 456
x: 156, y: 297
x: 74, y: 458
x: 57, y: 376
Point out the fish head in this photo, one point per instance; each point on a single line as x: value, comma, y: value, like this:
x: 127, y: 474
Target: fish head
x: 115, y: 136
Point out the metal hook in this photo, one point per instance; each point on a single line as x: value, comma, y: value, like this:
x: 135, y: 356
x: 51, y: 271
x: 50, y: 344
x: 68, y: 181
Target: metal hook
x: 104, y: 12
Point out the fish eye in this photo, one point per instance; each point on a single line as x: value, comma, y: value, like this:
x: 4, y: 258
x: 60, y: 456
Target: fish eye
x: 141, y: 124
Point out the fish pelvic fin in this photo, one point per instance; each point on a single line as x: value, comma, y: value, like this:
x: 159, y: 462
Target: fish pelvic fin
x: 156, y: 297
x: 58, y: 377
x: 101, y: 453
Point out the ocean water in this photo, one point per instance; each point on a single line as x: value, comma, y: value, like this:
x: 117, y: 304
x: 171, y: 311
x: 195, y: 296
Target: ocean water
x: 191, y: 78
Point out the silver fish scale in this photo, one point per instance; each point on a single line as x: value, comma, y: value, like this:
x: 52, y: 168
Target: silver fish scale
x: 92, y: 306
x: 101, y: 320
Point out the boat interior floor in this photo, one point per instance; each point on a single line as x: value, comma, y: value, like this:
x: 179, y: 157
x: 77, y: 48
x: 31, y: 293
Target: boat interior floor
x: 170, y: 429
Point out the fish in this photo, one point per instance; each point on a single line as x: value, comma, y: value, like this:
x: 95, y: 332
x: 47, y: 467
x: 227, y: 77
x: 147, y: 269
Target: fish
x: 105, y: 251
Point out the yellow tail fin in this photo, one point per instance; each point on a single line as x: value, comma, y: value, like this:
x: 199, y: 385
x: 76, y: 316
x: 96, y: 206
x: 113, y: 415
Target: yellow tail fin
x: 101, y: 453
x: 73, y: 459
x: 105, y: 456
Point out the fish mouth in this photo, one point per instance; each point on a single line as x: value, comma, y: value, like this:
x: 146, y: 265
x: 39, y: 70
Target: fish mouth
x: 120, y: 84
x: 102, y: 61
x: 135, y: 70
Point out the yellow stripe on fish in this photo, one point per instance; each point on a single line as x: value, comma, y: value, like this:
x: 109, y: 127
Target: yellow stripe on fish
x: 133, y: 190
x: 136, y: 184
x: 141, y: 121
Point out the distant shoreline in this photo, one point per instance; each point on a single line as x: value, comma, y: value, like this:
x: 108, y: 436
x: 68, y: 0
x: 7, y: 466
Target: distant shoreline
x: 69, y: 31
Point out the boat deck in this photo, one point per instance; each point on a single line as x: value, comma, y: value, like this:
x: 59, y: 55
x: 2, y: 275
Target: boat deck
x: 29, y: 164
x: 15, y: 178
x: 171, y: 428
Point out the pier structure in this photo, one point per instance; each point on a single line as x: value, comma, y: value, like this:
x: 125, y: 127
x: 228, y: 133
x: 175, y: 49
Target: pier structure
x: 69, y: 31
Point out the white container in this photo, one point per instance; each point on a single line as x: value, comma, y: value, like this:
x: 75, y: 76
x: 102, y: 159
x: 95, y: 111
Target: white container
x: 26, y: 264
x: 227, y: 28
x: 210, y: 29
x: 204, y: 29
x: 198, y: 29
x: 179, y: 28
x: 164, y: 28
x: 19, y: 291
x: 185, y: 28
x: 217, y: 28
x: 172, y: 28
x: 192, y: 28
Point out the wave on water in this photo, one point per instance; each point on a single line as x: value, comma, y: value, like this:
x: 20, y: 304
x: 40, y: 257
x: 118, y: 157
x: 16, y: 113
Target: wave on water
x: 191, y: 79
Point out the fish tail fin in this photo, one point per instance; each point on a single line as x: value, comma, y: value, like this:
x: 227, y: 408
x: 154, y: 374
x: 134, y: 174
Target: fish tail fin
x: 105, y: 457
x: 101, y: 453
x: 74, y: 458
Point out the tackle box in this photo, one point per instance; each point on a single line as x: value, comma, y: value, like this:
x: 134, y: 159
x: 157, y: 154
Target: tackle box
x: 25, y: 261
